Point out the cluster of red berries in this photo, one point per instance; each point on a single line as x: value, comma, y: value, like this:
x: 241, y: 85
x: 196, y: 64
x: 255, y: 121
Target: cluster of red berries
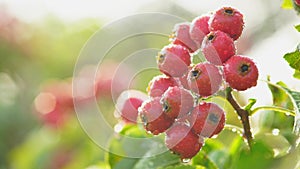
x: 175, y: 105
x: 296, y: 4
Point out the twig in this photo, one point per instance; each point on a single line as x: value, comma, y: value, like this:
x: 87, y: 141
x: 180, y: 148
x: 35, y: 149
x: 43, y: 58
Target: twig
x: 243, y: 114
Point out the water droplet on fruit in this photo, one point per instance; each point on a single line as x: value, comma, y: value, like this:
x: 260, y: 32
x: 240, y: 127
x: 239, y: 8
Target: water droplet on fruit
x: 186, y: 160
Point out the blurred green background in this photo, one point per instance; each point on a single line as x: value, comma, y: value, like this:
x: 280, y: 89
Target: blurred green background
x: 39, y: 46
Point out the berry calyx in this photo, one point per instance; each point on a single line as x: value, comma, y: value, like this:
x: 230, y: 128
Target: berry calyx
x: 228, y: 20
x: 181, y: 36
x: 173, y: 60
x: 177, y: 102
x: 240, y: 73
x: 199, y: 29
x: 208, y: 119
x: 182, y: 141
x: 204, y: 79
x: 218, y: 47
x: 159, y: 84
x: 153, y: 118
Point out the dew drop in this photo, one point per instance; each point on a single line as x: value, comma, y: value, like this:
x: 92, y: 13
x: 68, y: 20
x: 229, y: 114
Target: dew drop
x: 288, y: 114
x: 186, y: 160
x: 118, y: 127
x: 275, y: 132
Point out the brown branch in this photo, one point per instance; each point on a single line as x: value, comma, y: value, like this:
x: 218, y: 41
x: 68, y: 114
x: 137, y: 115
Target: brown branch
x: 243, y: 114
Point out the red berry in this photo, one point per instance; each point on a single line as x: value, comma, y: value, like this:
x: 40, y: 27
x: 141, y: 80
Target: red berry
x: 199, y: 29
x: 182, y: 141
x: 296, y: 5
x: 127, y: 105
x: 227, y: 20
x: 159, y: 84
x: 55, y: 103
x: 208, y: 119
x: 129, y: 112
x: 183, y: 79
x: 153, y: 118
x: 181, y: 36
x: 218, y: 47
x: 173, y: 60
x: 205, y: 79
x: 240, y: 73
x: 177, y: 102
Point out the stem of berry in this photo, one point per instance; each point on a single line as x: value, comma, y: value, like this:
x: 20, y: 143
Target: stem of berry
x: 243, y: 114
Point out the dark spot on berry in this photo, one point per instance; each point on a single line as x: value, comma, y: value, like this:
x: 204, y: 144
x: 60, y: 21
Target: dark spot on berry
x: 213, y: 118
x: 244, y: 68
x: 195, y: 74
x: 228, y: 11
x: 211, y: 37
x: 144, y: 119
x: 160, y: 58
x: 166, y: 106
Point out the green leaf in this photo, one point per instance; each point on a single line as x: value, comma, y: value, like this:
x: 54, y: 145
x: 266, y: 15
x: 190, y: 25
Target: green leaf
x: 287, y: 4
x: 211, y: 145
x: 220, y: 157
x: 202, y: 159
x: 291, y: 160
x: 250, y: 104
x: 125, y: 163
x: 147, y: 151
x: 277, y: 142
x: 182, y: 166
x: 294, y: 96
x: 121, y: 146
x: 259, y: 157
x: 235, y: 149
x: 159, y: 161
x: 101, y: 165
x: 297, y: 74
x: 280, y: 99
x: 293, y: 59
x: 298, y: 27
